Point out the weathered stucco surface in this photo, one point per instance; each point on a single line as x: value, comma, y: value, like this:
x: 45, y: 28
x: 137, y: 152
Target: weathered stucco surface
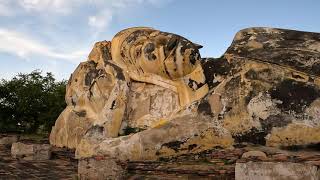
x: 141, y: 80
x: 96, y: 95
x: 268, y: 85
x: 147, y: 94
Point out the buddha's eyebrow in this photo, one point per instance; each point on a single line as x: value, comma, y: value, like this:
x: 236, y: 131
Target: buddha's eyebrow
x: 199, y: 46
x: 172, y: 43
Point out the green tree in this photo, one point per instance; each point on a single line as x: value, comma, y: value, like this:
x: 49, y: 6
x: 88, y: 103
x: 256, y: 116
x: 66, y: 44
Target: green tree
x: 30, y: 101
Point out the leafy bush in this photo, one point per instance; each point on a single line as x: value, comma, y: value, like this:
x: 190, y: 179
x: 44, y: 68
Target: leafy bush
x: 30, y: 103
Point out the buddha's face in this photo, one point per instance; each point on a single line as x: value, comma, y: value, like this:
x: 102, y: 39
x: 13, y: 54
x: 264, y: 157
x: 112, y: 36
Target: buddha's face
x: 156, y: 52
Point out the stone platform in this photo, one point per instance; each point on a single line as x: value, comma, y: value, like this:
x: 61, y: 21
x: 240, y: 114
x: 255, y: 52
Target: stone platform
x: 213, y: 164
x: 222, y: 164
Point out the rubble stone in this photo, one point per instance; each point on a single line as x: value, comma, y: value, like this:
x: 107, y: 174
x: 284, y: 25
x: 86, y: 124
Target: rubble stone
x: 101, y: 168
x: 257, y: 154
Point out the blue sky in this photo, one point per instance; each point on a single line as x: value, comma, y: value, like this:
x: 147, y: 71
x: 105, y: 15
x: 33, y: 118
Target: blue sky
x: 55, y: 35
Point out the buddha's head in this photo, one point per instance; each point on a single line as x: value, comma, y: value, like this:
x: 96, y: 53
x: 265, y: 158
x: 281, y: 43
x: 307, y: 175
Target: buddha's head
x: 146, y: 50
x: 161, y: 58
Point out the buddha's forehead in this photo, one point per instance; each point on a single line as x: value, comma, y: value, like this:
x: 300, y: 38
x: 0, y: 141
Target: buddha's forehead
x: 158, y: 37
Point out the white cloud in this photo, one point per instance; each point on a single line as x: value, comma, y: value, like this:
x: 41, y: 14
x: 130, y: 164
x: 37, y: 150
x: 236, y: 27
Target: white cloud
x: 5, y: 8
x: 100, y: 21
x: 21, y: 45
x: 58, y: 6
x: 107, y: 8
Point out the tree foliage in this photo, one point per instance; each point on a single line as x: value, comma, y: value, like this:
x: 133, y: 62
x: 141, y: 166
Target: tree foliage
x: 30, y: 102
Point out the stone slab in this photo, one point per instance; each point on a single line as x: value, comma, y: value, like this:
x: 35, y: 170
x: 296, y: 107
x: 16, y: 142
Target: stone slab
x: 276, y: 171
x: 31, y: 151
x: 8, y: 140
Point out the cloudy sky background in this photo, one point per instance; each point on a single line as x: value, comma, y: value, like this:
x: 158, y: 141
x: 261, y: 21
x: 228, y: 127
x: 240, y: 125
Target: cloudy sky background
x: 55, y: 35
